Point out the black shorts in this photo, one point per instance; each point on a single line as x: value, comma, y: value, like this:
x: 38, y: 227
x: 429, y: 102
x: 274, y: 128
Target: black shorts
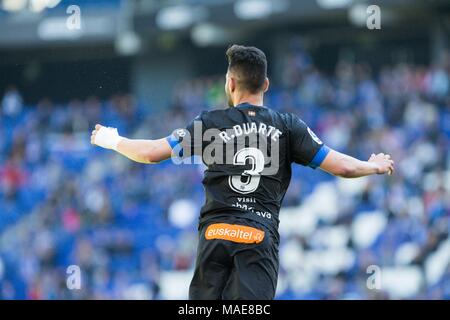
x: 231, y: 270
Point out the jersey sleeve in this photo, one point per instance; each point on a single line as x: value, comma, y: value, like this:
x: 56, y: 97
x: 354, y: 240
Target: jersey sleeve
x: 188, y: 142
x: 306, y: 148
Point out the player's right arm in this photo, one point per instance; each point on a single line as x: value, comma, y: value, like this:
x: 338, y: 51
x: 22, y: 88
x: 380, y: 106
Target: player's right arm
x: 139, y: 150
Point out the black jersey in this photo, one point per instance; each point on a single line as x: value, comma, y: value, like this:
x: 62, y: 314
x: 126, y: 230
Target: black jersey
x: 248, y: 151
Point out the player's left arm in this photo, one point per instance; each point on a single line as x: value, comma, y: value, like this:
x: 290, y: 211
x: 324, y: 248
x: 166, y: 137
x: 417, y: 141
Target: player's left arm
x: 139, y: 150
x: 307, y: 149
x: 345, y: 166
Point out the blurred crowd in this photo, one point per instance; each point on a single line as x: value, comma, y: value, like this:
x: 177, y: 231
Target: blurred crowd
x: 129, y: 227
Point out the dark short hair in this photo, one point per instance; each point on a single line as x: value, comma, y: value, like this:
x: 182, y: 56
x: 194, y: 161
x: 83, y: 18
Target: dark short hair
x: 250, y: 64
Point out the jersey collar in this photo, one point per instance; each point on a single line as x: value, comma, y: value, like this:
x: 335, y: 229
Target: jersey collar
x: 246, y: 104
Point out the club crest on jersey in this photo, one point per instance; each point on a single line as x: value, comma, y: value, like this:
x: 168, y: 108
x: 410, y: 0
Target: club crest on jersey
x: 313, y: 135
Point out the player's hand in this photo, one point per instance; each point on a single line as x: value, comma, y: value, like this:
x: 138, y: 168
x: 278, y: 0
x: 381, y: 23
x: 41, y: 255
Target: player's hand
x: 105, y: 137
x: 384, y: 163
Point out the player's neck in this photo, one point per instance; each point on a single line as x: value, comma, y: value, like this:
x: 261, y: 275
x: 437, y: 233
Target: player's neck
x: 254, y: 99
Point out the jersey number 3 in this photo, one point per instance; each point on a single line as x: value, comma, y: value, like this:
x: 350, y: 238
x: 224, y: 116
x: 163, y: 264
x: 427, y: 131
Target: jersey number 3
x: 248, y: 181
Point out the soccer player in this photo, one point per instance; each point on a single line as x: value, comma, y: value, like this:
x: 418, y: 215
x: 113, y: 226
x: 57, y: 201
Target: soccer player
x: 248, y: 150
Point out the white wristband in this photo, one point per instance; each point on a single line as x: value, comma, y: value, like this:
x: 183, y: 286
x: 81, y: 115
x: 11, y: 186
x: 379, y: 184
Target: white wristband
x: 108, y: 138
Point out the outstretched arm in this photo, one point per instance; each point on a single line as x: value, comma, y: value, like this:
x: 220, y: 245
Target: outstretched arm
x: 342, y: 165
x: 143, y: 151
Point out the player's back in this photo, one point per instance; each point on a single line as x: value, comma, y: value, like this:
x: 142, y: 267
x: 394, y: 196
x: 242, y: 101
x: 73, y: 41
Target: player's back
x: 248, y: 151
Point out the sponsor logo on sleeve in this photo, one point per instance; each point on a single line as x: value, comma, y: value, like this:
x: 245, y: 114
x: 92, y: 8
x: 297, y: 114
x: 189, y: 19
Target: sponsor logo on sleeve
x: 313, y: 135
